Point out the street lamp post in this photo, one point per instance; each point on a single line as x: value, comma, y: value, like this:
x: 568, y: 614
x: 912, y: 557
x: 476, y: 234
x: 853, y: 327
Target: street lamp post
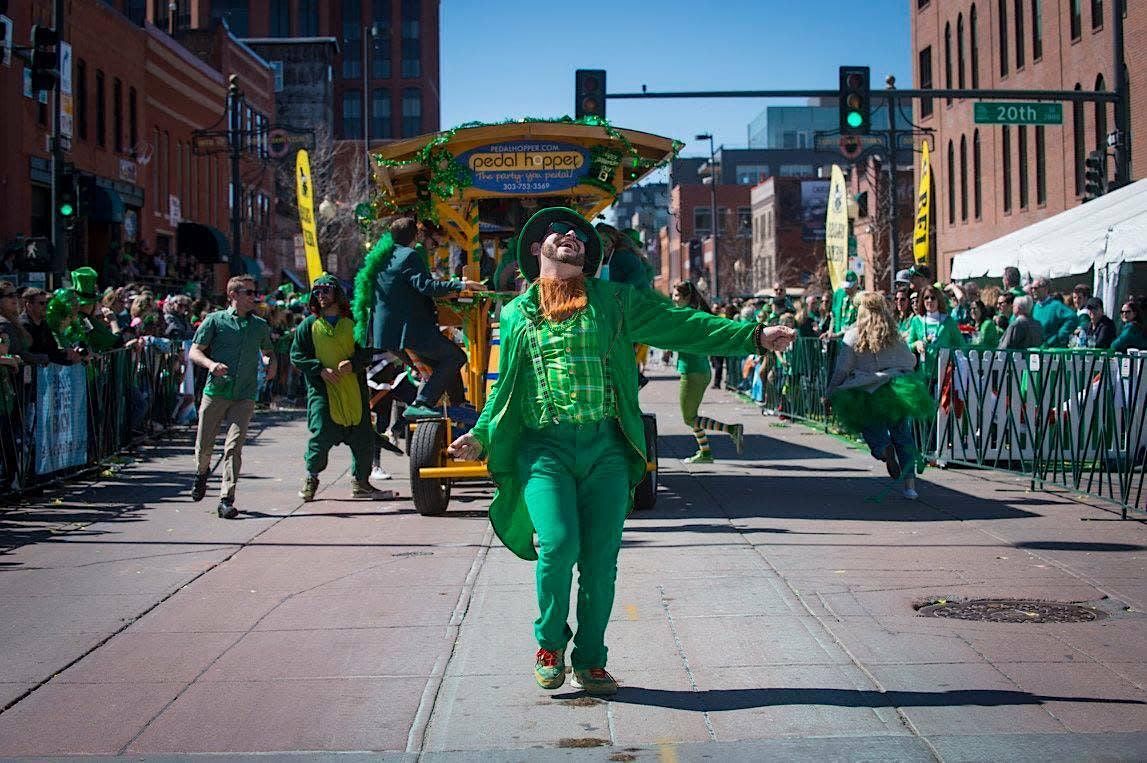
x: 713, y: 208
x: 370, y: 34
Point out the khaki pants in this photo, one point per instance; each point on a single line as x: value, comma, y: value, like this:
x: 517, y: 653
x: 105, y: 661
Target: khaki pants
x: 212, y: 412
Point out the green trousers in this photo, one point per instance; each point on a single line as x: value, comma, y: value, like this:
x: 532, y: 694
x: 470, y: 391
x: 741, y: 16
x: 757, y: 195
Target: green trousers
x: 577, y: 493
x: 325, y: 434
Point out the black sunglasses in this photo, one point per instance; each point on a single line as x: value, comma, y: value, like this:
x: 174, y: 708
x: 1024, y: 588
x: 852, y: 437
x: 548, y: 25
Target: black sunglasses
x: 322, y: 289
x: 7, y: 294
x: 563, y: 228
x: 248, y: 292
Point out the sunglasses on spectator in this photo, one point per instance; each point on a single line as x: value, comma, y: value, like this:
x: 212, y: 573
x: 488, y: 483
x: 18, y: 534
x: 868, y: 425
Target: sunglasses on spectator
x: 248, y: 292
x: 563, y: 228
x: 930, y: 297
x: 322, y: 290
x: 1127, y: 312
x: 7, y: 294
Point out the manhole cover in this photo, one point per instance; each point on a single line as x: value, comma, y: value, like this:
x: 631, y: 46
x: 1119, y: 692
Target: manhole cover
x: 1013, y: 611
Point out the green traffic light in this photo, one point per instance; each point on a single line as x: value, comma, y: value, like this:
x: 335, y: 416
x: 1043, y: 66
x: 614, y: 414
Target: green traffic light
x: 67, y: 210
x: 854, y: 119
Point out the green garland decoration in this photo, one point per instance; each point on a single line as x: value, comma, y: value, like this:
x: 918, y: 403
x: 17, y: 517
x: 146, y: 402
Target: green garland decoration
x: 448, y: 177
x: 363, y: 302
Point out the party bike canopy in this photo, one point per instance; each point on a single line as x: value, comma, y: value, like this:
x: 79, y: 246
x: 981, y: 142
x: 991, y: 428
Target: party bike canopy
x: 513, y: 167
x: 1109, y: 230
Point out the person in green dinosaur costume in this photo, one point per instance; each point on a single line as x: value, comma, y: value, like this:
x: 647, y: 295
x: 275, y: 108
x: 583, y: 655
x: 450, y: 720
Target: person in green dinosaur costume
x: 333, y: 366
x: 563, y: 431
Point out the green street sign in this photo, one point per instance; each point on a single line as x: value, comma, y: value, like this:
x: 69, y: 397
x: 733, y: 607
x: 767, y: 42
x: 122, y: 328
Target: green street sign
x: 1018, y: 113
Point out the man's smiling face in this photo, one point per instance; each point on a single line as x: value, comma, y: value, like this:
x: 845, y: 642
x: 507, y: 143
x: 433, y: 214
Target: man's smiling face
x: 565, y: 248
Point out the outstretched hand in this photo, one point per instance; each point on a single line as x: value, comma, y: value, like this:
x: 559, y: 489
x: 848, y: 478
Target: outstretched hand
x: 465, y: 448
x: 777, y: 338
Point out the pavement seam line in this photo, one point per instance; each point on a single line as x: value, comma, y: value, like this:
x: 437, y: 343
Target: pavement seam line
x: 420, y: 725
x: 685, y: 661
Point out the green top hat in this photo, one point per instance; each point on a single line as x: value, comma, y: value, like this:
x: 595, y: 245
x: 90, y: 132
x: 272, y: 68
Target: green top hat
x: 534, y: 232
x: 84, y: 284
x: 326, y: 279
x: 850, y: 277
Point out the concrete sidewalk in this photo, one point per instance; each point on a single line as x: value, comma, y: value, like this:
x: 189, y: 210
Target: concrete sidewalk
x: 766, y: 608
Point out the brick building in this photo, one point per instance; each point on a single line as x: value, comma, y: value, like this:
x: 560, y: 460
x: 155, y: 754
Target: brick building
x: 398, y: 38
x: 788, y: 230
x: 134, y: 108
x: 994, y: 179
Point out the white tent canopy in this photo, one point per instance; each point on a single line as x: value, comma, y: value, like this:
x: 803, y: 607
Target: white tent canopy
x: 1103, y: 233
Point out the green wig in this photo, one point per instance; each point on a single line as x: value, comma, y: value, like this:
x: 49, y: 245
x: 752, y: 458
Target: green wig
x: 376, y: 261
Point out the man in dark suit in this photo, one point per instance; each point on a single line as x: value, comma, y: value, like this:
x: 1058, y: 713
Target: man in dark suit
x: 405, y: 317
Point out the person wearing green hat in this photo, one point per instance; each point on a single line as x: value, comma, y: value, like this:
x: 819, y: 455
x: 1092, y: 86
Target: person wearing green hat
x: 338, y: 410
x: 563, y: 431
x: 97, y: 335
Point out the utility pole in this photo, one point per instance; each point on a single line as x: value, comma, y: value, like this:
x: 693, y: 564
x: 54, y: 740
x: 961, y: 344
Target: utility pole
x: 713, y: 208
x: 893, y: 178
x: 60, y: 246
x: 1123, y: 103
x: 234, y: 141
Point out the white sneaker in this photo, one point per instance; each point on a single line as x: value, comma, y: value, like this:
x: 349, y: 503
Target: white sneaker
x: 378, y: 473
x: 910, y: 494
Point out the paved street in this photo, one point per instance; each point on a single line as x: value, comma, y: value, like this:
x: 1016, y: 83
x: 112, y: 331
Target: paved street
x: 765, y: 609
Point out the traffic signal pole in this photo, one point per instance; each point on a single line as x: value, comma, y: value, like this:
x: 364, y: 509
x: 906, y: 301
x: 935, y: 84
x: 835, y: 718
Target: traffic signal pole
x: 893, y: 180
x: 60, y: 248
x: 1122, y: 105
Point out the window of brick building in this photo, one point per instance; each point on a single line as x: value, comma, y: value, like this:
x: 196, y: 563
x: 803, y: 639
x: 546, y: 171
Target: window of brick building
x: 411, y: 39
x: 1022, y: 165
x: 948, y: 60
x: 235, y: 13
x: 1006, y: 165
x: 352, y: 39
x: 925, y: 68
x: 308, y: 18
x: 352, y: 114
x: 963, y: 178
x: 1003, y: 21
x: 101, y: 110
x: 132, y: 119
x: 411, y: 112
x: 1040, y: 165
x: 977, y: 178
x: 960, y: 51
x: 1096, y: 14
x: 974, y: 42
x: 1018, y: 22
x: 951, y: 170
x: 1100, y: 117
x: 1075, y: 21
x: 117, y: 115
x: 1037, y: 30
x: 1079, y: 140
x: 280, y: 18
x: 381, y: 53
x: 380, y: 113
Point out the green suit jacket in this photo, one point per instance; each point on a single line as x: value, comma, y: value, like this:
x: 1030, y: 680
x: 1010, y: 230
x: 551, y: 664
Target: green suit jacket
x: 626, y: 316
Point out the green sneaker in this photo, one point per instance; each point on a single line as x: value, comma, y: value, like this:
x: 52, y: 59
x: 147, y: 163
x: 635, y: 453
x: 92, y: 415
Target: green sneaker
x: 421, y: 412
x: 594, y: 681
x: 700, y: 457
x: 309, y: 488
x: 550, y: 668
x: 737, y: 432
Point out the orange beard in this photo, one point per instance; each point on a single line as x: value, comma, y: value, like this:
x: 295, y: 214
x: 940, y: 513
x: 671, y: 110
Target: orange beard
x: 561, y: 297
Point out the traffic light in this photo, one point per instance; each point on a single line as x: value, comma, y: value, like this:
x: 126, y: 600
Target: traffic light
x: 1094, y: 175
x: 45, y: 58
x: 854, y: 106
x: 589, y: 91
x: 67, y: 205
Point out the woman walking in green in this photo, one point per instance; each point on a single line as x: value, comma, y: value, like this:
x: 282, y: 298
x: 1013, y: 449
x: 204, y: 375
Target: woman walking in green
x: 932, y: 329
x: 695, y: 375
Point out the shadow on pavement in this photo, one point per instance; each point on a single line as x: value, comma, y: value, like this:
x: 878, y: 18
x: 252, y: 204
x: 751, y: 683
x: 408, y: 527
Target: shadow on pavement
x: 713, y: 494
x: 757, y: 448
x: 715, y: 700
x: 1066, y: 545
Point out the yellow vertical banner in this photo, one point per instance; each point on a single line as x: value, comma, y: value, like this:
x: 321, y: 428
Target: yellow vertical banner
x: 836, y: 228
x: 921, y: 239
x: 306, y: 197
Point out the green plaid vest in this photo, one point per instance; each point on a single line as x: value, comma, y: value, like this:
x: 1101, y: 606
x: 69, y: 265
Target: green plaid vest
x: 570, y: 383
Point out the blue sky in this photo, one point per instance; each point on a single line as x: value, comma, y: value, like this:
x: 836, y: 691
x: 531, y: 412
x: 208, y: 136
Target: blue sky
x: 511, y: 58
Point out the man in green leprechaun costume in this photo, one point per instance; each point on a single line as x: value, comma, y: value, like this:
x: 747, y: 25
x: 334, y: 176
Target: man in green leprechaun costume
x: 563, y: 431
x: 338, y: 410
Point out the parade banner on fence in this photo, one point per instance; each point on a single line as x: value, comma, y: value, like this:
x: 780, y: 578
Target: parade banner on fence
x: 922, y: 237
x: 61, y: 417
x: 836, y: 229
x: 306, y: 198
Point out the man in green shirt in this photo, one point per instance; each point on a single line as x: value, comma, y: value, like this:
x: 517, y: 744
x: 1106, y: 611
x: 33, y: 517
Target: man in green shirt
x: 563, y: 431
x: 1057, y: 319
x: 843, y: 306
x: 228, y: 344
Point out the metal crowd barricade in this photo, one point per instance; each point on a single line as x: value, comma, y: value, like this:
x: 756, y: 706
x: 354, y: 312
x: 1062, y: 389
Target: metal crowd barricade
x: 1072, y: 418
x: 1077, y: 419
x: 63, y: 419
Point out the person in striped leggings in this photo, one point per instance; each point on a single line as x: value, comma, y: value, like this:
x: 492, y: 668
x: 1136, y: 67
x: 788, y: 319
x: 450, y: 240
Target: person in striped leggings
x: 695, y: 375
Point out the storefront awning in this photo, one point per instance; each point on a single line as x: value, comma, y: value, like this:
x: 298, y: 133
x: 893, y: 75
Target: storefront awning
x: 103, y: 205
x: 250, y: 266
x: 203, y: 242
x: 294, y: 278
